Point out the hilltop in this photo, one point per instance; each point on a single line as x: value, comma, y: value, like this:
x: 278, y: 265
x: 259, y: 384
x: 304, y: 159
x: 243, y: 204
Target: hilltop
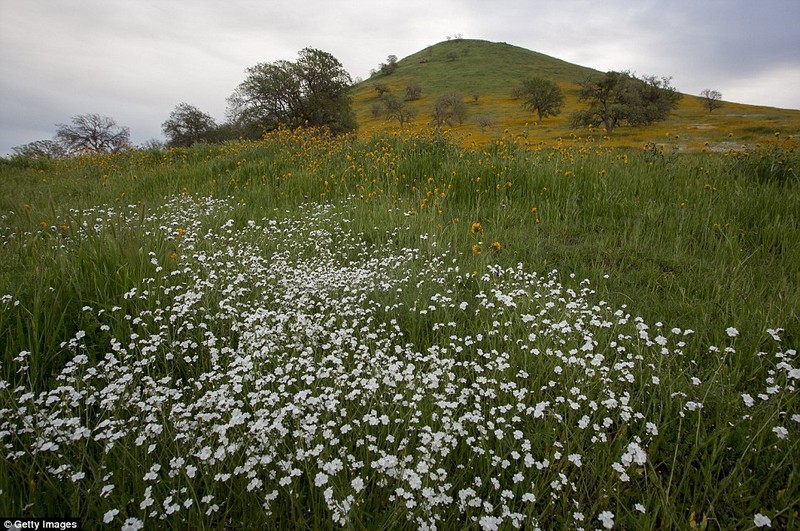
x: 486, y: 73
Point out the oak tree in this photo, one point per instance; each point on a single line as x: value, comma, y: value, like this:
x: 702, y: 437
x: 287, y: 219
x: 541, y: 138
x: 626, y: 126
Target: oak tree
x: 619, y: 98
x: 312, y: 91
x: 186, y: 125
x: 542, y: 96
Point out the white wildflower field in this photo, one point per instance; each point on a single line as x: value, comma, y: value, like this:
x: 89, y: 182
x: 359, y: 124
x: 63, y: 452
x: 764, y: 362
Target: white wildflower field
x: 293, y: 369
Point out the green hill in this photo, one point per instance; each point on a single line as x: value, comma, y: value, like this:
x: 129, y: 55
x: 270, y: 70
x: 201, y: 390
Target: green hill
x: 486, y: 73
x: 481, y: 67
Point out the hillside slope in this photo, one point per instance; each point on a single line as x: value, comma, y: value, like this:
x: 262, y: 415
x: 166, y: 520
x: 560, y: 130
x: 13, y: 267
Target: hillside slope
x: 486, y: 73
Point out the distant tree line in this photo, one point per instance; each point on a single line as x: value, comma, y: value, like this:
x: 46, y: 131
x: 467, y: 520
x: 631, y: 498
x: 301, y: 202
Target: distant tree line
x: 310, y: 92
x: 87, y: 133
x: 314, y: 91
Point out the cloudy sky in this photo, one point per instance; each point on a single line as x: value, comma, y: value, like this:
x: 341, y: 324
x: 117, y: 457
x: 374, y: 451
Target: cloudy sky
x: 135, y: 60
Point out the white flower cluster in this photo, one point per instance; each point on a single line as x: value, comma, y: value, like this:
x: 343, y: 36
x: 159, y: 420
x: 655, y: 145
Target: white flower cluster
x: 286, y: 357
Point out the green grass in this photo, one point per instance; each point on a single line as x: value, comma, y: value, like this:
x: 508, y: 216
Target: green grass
x: 254, y: 298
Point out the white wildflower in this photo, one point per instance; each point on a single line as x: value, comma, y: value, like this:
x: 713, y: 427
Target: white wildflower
x: 607, y: 519
x: 762, y: 521
x: 490, y: 523
x: 132, y: 524
x: 692, y: 405
x: 109, y: 516
x: 775, y: 333
x: 781, y: 432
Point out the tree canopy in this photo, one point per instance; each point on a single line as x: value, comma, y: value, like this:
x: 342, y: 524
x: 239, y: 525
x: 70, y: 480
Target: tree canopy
x: 619, y: 98
x: 312, y: 91
x: 541, y: 96
x: 186, y: 125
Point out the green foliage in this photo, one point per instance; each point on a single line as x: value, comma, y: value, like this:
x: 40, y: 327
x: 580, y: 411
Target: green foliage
x: 619, y: 98
x: 389, y: 66
x: 541, y: 96
x: 774, y: 164
x: 313, y: 91
x: 186, y: 125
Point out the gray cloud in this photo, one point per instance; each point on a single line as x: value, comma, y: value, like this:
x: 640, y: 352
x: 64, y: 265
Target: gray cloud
x: 136, y: 60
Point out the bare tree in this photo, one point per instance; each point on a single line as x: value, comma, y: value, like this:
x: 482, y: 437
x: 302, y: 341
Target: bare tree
x: 484, y: 122
x: 712, y: 99
x: 92, y: 133
x: 449, y: 108
x: 40, y: 149
x: 413, y: 91
x: 396, y: 109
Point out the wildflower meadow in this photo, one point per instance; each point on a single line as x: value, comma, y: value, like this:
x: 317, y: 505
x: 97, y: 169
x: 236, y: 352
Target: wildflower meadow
x: 402, y: 332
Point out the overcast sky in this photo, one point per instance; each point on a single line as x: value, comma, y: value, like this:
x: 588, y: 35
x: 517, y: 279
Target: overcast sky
x: 135, y: 60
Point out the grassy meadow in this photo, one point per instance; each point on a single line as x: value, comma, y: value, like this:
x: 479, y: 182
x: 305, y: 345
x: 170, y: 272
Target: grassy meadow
x: 402, y: 331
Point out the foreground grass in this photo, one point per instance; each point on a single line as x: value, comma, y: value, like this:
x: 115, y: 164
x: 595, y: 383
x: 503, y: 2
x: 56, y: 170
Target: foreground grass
x: 315, y: 332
